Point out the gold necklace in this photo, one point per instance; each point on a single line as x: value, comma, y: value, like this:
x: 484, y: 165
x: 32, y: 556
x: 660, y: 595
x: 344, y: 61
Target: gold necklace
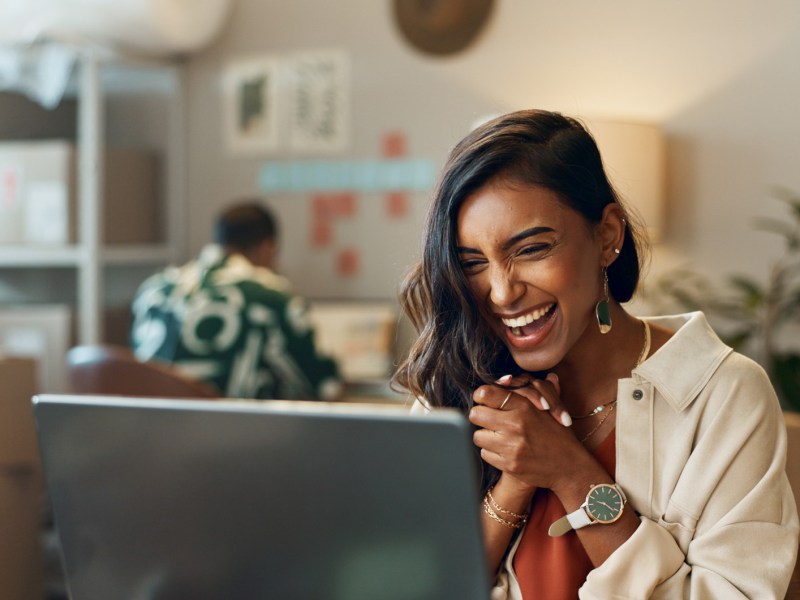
x: 612, y: 405
x: 646, y: 348
x: 596, y: 409
x: 600, y: 424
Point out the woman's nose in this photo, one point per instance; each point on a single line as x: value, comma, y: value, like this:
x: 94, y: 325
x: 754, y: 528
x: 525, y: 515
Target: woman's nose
x: 505, y: 288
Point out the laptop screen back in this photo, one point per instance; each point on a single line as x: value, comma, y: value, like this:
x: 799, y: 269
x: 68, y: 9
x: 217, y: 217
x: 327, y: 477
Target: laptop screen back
x: 176, y: 499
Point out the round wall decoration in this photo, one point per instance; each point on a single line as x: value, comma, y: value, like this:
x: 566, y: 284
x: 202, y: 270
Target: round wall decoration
x: 441, y: 26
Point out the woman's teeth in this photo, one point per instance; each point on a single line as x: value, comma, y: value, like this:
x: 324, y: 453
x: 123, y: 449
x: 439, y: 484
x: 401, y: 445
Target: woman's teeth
x: 518, y: 323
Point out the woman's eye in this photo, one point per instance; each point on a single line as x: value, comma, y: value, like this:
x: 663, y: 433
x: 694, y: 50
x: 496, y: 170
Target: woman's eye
x: 470, y: 266
x: 533, y: 249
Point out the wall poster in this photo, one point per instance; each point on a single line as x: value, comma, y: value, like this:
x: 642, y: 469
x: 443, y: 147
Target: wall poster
x: 250, y: 105
x: 319, y: 101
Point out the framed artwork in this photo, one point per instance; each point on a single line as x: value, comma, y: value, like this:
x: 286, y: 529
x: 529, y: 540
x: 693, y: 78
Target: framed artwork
x: 250, y: 105
x: 319, y: 99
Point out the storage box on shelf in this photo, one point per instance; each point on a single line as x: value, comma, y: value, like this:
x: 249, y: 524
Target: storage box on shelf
x: 38, y: 185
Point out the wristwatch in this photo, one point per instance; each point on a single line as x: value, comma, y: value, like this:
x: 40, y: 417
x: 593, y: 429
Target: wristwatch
x: 603, y: 505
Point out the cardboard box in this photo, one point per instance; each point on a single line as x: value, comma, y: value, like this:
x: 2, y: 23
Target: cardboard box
x: 39, y: 187
x: 21, y: 487
x: 18, y: 442
x: 42, y: 332
x: 359, y: 335
x: 117, y: 321
x: 21, y: 555
x: 132, y: 209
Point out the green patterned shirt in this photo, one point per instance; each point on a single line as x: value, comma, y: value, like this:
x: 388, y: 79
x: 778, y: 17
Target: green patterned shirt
x: 224, y: 321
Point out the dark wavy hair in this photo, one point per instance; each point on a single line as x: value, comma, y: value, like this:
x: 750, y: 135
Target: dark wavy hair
x: 455, y: 351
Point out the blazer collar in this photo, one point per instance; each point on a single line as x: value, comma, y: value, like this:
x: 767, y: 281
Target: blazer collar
x: 681, y: 368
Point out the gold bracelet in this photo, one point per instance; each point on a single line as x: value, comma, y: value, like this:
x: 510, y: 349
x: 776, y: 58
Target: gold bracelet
x: 499, y: 508
x: 489, y: 511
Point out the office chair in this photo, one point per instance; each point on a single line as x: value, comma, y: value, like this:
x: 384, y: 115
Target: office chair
x: 111, y: 369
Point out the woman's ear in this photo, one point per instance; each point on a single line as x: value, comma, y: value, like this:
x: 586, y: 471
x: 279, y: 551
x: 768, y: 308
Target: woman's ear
x: 611, y: 232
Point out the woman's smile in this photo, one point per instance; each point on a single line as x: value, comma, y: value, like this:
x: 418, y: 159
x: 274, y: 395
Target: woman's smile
x: 529, y: 330
x: 519, y: 326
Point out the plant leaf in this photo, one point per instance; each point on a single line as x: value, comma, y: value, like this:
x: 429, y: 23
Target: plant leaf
x: 753, y: 294
x: 787, y: 379
x: 786, y: 230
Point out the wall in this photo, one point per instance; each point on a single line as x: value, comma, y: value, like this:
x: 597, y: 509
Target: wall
x: 722, y: 81
x: 393, y: 89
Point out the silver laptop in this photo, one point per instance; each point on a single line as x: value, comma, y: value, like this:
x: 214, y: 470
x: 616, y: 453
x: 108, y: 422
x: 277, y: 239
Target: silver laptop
x: 191, y: 500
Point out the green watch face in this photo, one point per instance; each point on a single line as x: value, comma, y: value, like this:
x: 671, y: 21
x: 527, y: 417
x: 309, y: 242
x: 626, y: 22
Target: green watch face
x: 604, y: 503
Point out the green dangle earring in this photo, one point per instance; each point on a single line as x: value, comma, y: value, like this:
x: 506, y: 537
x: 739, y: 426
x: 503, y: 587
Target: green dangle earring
x: 602, y: 310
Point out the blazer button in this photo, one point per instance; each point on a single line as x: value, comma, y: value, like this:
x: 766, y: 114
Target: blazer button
x: 638, y: 394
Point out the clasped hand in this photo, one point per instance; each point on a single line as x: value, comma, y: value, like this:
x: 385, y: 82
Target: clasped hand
x: 529, y: 439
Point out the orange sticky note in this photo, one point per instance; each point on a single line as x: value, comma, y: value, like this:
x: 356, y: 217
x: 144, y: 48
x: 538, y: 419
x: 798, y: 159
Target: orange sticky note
x: 321, y: 232
x: 397, y: 204
x: 344, y: 204
x: 348, y: 262
x: 394, y: 144
x: 322, y: 207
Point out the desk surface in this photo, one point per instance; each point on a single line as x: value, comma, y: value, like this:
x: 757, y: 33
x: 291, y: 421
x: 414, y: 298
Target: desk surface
x: 374, y: 392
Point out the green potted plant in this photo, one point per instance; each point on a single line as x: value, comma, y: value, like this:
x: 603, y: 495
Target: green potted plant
x: 754, y: 317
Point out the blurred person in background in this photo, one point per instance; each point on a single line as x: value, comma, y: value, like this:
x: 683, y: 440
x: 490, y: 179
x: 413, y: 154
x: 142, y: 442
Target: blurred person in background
x: 228, y: 319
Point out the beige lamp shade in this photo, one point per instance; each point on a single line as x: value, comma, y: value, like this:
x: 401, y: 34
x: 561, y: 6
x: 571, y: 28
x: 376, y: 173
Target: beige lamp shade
x: 634, y: 156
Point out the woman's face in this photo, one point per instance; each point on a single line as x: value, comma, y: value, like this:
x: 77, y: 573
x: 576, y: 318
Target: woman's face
x: 534, y: 267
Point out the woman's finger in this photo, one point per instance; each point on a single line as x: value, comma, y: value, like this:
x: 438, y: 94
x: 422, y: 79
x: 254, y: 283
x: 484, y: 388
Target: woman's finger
x: 544, y: 394
x: 492, y: 405
x: 492, y: 396
x: 515, y: 383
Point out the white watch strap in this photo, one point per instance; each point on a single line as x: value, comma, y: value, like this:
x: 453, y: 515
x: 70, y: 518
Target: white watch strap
x: 574, y: 520
x: 579, y: 518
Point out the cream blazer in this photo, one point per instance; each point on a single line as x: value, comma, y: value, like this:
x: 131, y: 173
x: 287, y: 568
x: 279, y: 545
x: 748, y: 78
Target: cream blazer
x: 701, y: 451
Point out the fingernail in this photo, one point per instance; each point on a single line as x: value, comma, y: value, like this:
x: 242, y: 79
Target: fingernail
x: 566, y: 420
x: 555, y: 377
x: 504, y: 379
x: 545, y: 404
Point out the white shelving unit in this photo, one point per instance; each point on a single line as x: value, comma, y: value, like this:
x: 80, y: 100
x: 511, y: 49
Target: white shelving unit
x: 90, y: 256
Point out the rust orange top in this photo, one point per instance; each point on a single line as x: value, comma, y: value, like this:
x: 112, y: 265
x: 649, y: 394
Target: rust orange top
x: 554, y: 568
